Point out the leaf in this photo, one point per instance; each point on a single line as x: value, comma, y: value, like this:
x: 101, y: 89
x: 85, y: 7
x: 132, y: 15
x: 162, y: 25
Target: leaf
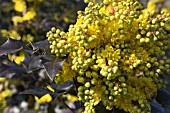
x: 15, y: 99
x: 11, y: 46
x: 40, y: 45
x: 156, y: 108
x: 44, y: 60
x: 36, y: 91
x: 3, y: 57
x: 163, y: 97
x: 53, y: 66
x: 26, y: 78
x: 167, y: 110
x: 65, y: 86
x: 166, y: 78
x: 39, y: 92
x: 50, y: 63
x: 15, y: 71
x: 60, y: 88
x: 9, y: 71
x: 35, y: 63
x: 32, y: 63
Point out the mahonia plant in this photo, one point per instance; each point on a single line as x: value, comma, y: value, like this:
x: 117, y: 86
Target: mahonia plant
x: 117, y: 52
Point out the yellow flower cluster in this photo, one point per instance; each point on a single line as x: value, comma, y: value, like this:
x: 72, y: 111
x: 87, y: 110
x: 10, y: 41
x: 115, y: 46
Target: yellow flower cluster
x: 116, y: 51
x: 20, y: 6
x: 27, y: 16
x: 4, y: 93
x: 11, y: 33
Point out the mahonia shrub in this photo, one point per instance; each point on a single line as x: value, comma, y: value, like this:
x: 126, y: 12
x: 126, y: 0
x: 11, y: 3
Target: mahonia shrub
x: 117, y: 54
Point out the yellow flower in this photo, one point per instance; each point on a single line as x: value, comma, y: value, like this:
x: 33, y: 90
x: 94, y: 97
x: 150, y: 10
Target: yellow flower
x: 19, y: 59
x: 27, y: 37
x: 2, y: 79
x: 46, y: 98
x: 17, y: 19
x: 72, y: 98
x: 151, y: 6
x: 166, y: 10
x: 66, y: 19
x: 29, y: 15
x: 3, y: 95
x: 19, y: 5
x: 14, y: 35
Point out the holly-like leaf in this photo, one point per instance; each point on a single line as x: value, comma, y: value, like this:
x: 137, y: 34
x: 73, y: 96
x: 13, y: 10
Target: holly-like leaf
x: 36, y: 91
x: 163, y: 97
x: 10, y: 70
x: 66, y: 86
x: 53, y: 66
x: 58, y: 90
x: 40, y: 45
x: 15, y: 99
x: 61, y: 88
x: 11, y: 46
x: 33, y: 62
x: 166, y: 78
x: 156, y: 108
x: 44, y: 60
x: 3, y: 57
x: 167, y: 110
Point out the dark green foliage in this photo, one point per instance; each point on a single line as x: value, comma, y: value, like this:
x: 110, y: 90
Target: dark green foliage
x: 59, y: 90
x: 11, y: 46
x: 26, y: 76
x: 163, y: 97
x: 9, y: 71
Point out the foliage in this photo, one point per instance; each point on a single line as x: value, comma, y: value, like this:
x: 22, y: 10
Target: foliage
x: 28, y: 73
x: 20, y: 57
